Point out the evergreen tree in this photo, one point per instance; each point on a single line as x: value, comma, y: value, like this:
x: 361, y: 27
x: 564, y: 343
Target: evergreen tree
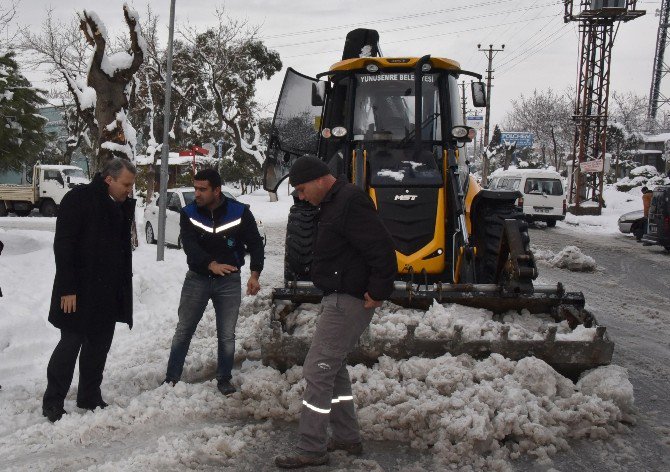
x: 22, y: 136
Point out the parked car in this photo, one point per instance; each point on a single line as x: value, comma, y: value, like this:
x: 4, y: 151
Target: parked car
x: 627, y: 220
x: 177, y: 198
x: 543, y: 196
x: 658, y: 227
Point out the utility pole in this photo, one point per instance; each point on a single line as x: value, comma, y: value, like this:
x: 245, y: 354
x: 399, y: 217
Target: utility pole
x: 490, y: 53
x: 463, y: 100
x: 661, y: 69
x: 596, y: 27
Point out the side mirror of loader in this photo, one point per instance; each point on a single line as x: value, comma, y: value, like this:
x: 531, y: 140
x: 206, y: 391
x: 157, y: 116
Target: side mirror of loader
x: 319, y: 93
x: 479, y: 94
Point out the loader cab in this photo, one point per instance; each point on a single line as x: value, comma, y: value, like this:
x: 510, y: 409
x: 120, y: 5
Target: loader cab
x: 361, y: 119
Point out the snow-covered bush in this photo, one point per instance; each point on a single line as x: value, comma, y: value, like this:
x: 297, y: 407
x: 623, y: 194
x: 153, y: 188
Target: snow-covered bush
x: 641, y: 176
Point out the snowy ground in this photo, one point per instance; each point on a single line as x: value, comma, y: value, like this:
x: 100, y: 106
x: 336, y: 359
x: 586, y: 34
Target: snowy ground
x: 453, y: 411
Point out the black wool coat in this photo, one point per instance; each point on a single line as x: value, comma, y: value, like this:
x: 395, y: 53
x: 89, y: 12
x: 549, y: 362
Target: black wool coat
x: 93, y: 254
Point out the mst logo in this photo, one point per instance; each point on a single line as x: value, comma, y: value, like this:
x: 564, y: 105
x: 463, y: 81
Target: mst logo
x: 406, y: 198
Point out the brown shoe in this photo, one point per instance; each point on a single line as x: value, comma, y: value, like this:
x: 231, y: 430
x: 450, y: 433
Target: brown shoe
x: 296, y: 461
x: 355, y: 449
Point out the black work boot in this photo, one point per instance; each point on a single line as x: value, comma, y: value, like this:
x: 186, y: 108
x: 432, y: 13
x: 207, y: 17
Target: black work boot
x: 226, y: 387
x: 92, y: 405
x: 355, y: 448
x: 53, y: 413
x: 298, y: 460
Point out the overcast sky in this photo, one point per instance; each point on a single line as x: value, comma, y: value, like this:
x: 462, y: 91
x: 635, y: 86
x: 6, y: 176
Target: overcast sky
x: 540, y: 49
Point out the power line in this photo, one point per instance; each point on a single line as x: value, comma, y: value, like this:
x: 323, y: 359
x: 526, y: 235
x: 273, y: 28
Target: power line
x: 538, y: 47
x: 530, y: 46
x: 418, y: 38
x: 405, y: 28
x: 386, y: 20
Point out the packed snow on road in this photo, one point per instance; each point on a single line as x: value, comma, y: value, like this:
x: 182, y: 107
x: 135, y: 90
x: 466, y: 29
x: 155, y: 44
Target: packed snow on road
x: 474, y: 414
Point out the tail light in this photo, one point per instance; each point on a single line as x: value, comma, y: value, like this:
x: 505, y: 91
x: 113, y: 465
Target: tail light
x: 519, y: 202
x: 666, y: 224
x: 565, y: 206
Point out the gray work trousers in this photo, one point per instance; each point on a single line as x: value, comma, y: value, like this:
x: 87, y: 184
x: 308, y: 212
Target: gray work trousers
x: 328, y: 397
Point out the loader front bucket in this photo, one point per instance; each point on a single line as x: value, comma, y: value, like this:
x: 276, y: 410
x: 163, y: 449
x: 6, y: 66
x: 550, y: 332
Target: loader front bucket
x: 570, y: 354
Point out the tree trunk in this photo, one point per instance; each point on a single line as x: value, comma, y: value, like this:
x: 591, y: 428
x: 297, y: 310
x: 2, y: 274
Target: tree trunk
x: 112, y: 92
x: 273, y: 196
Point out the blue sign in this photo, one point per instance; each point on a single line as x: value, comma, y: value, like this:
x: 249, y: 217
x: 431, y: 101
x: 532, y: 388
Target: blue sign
x: 522, y: 139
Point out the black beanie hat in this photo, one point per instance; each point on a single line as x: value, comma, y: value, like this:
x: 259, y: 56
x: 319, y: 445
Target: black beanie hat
x: 306, y: 169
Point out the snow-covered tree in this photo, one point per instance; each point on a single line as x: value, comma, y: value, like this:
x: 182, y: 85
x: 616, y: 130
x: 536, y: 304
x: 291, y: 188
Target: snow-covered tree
x: 22, y: 136
x: 629, y: 110
x: 63, y: 48
x: 548, y: 115
x: 226, y: 62
x: 111, y: 77
x: 7, y: 13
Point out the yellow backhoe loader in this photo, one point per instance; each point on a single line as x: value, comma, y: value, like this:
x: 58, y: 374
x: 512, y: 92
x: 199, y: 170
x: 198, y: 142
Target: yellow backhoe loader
x: 394, y: 127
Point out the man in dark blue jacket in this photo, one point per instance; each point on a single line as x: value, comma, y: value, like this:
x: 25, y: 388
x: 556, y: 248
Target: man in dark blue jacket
x: 215, y: 233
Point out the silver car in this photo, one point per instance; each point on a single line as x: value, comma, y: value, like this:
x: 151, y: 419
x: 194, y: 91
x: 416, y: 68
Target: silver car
x: 627, y: 219
x: 177, y: 198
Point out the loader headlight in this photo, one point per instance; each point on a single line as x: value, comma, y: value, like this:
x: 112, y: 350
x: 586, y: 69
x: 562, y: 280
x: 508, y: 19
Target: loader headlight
x: 463, y: 133
x: 372, y: 68
x: 426, y: 67
x: 339, y: 131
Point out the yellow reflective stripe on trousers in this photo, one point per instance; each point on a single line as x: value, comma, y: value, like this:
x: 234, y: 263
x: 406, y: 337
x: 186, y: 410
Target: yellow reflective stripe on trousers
x: 342, y: 398
x: 314, y: 408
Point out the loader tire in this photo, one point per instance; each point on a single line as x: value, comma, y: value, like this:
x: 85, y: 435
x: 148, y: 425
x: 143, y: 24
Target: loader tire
x: 300, y: 234
x: 488, y: 229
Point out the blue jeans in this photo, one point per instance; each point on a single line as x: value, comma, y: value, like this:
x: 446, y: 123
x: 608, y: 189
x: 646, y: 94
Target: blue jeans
x: 225, y: 293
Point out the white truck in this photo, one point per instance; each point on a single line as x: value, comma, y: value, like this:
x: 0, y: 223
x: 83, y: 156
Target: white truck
x: 49, y: 185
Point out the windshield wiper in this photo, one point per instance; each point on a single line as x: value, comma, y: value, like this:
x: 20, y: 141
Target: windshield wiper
x: 429, y: 119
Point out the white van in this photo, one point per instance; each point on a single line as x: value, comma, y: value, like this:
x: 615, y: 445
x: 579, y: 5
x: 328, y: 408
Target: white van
x: 542, y: 192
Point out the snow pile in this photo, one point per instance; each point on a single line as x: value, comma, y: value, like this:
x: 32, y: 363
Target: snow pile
x: 617, y: 203
x: 391, y: 322
x: 471, y: 413
x: 572, y: 258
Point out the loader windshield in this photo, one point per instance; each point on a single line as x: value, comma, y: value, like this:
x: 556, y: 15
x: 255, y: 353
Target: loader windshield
x: 384, y: 107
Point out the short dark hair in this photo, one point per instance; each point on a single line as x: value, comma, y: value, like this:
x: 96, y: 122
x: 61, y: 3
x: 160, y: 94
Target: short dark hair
x: 210, y: 175
x: 644, y: 189
x: 115, y: 166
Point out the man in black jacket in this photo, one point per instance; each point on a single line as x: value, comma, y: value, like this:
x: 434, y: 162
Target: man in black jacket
x: 215, y: 232
x: 354, y: 264
x: 93, y: 285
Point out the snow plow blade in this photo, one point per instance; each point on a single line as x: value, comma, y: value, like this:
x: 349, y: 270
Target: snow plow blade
x: 569, y: 356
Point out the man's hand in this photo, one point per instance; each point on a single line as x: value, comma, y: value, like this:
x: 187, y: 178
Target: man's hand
x: 253, y: 286
x: 221, y: 269
x: 370, y: 303
x: 68, y: 303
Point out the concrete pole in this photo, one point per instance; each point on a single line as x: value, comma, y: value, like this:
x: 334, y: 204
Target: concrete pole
x: 165, y: 149
x: 490, y: 53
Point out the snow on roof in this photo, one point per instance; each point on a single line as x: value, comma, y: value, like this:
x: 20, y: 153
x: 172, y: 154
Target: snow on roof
x: 655, y: 138
x: 175, y: 160
x: 645, y: 151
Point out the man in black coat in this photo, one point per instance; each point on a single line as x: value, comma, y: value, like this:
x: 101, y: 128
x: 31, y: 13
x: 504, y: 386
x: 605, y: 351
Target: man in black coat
x: 354, y: 264
x: 93, y: 285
